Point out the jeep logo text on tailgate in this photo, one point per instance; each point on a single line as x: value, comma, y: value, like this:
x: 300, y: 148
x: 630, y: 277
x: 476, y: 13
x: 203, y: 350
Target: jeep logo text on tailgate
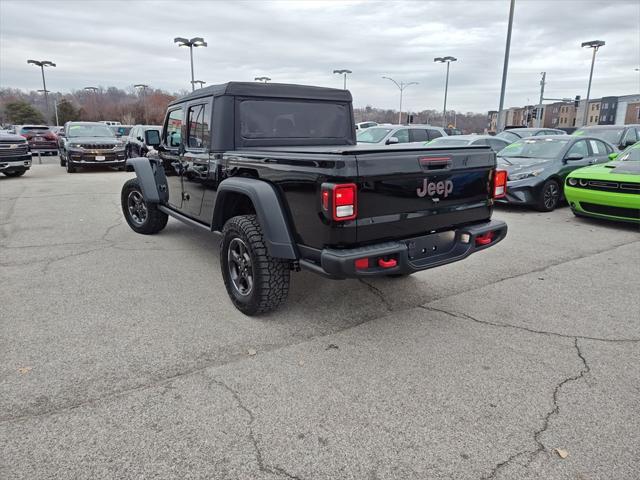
x: 441, y: 188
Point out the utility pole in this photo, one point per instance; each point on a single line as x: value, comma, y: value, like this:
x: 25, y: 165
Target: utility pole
x: 401, y: 86
x: 42, y: 64
x: 343, y: 72
x: 540, y: 108
x: 505, y: 67
x: 595, y: 44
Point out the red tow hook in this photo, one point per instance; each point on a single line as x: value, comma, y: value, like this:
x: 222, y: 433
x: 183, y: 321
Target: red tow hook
x: 484, y: 239
x: 392, y: 262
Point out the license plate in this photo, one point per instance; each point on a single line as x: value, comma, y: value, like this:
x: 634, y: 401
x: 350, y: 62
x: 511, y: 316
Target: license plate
x: 99, y: 157
x: 38, y: 139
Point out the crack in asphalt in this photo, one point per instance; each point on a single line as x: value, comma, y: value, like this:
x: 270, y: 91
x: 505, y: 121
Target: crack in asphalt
x: 464, y: 316
x: 540, y: 448
x: 380, y: 294
x: 265, y: 468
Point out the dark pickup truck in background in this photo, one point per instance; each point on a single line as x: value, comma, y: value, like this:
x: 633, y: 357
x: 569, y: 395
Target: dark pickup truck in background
x: 276, y: 171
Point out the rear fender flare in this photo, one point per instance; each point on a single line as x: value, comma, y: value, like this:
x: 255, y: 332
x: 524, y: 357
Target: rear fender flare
x: 269, y: 211
x: 151, y: 178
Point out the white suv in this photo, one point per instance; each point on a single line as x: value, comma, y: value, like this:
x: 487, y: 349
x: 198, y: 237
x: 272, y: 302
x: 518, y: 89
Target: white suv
x: 394, y: 134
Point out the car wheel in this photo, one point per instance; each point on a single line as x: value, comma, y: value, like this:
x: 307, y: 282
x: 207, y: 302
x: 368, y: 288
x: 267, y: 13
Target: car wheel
x: 256, y: 282
x: 549, y: 196
x: 18, y: 173
x: 63, y: 162
x: 70, y: 168
x: 142, y: 217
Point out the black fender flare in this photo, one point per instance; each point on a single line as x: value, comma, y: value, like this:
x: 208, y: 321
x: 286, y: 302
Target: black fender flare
x: 269, y: 211
x: 151, y: 178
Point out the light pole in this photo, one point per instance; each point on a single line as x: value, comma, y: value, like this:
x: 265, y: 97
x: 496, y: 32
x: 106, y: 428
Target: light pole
x: 95, y: 101
x: 505, y: 67
x: 199, y: 82
x: 42, y: 64
x: 143, y: 87
x: 401, y: 86
x: 595, y: 44
x: 344, y: 72
x: 193, y: 42
x: 446, y: 60
x: 262, y: 79
x: 540, y: 108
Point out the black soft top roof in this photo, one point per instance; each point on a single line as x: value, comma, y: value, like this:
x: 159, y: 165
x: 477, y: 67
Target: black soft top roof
x: 278, y: 90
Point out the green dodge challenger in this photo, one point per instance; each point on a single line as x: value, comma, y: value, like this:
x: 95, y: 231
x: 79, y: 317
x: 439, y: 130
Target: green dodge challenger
x: 610, y: 190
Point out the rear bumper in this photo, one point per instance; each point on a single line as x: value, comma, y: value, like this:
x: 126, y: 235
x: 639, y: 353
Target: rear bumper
x: 16, y: 164
x: 521, y: 192
x: 434, y: 250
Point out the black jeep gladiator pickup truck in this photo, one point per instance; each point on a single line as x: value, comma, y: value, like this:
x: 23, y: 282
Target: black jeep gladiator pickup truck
x: 275, y: 170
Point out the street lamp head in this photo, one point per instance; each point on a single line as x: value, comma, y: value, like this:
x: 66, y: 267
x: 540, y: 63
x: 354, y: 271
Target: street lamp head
x: 91, y: 89
x: 593, y: 44
x: 181, y: 41
x: 262, y: 79
x: 445, y: 59
x: 41, y: 63
x: 340, y: 72
x: 198, y: 42
x: 140, y: 85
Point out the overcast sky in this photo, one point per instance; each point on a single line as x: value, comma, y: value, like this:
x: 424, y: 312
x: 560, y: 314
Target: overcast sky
x: 120, y: 43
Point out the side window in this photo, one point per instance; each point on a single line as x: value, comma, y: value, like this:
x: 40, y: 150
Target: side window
x: 597, y: 147
x: 630, y: 136
x: 604, y: 147
x: 402, y: 135
x: 433, y: 133
x: 418, y: 135
x: 173, y: 129
x: 198, y: 126
x: 580, y: 148
x: 496, y: 145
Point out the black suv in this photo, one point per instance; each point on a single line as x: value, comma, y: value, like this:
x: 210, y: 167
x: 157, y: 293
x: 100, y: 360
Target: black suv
x: 87, y: 144
x: 15, y: 158
x: 620, y: 136
x: 275, y: 170
x: 135, y: 144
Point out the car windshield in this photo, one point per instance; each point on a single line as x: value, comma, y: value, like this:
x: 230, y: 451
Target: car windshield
x: 533, y: 148
x: 611, y: 135
x: 89, y: 131
x: 508, y: 136
x: 630, y: 154
x: 451, y: 142
x: 372, y: 135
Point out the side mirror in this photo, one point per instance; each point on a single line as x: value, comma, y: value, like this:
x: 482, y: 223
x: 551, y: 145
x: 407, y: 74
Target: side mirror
x: 392, y: 141
x: 140, y: 138
x: 627, y: 143
x: 573, y: 157
x: 152, y: 138
x: 613, y: 156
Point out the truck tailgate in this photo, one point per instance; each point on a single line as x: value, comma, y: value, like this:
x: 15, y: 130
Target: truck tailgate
x: 413, y: 192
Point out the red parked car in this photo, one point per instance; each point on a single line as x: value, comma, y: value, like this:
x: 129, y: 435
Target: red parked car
x: 40, y: 138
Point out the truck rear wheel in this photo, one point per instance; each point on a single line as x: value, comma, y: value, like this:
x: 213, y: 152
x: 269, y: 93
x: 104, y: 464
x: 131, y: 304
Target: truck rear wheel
x: 256, y: 282
x: 142, y: 217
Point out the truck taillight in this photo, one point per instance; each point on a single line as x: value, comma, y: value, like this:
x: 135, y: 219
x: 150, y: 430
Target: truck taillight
x: 500, y: 184
x: 339, y: 201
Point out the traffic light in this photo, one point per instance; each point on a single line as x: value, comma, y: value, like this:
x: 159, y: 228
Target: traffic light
x: 576, y: 102
x: 534, y: 113
x: 410, y: 120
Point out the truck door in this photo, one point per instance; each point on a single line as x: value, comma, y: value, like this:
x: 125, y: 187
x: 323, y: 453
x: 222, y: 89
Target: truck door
x: 169, y: 153
x: 196, y: 173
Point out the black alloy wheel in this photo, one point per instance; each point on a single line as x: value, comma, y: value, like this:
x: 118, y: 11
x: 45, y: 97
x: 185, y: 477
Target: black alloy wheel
x: 549, y: 196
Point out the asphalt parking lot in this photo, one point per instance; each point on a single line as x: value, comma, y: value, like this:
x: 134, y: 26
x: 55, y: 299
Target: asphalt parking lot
x: 122, y: 357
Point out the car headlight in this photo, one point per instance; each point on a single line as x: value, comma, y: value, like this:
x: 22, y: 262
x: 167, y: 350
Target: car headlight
x: 521, y: 175
x: 75, y: 145
x: 572, y: 181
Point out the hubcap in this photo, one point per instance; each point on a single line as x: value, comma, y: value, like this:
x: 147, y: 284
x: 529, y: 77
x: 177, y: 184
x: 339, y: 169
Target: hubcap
x: 240, y: 266
x: 551, y: 194
x: 137, y: 208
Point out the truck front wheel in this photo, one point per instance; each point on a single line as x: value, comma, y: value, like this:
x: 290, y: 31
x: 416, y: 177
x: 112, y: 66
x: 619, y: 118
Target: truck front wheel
x: 256, y: 282
x: 142, y: 217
